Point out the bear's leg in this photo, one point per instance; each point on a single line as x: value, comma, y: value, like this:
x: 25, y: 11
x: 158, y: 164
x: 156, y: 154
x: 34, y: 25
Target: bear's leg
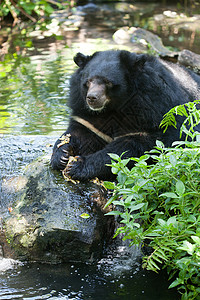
x: 95, y: 165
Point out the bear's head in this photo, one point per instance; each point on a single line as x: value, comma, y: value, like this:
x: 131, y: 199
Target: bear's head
x: 104, y: 78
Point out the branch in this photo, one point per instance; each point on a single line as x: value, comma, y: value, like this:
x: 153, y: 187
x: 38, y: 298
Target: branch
x: 53, y: 2
x: 22, y: 11
x: 12, y: 11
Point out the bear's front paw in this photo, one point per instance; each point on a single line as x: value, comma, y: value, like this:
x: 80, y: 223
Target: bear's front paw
x: 64, y: 157
x: 75, y: 169
x: 61, y: 156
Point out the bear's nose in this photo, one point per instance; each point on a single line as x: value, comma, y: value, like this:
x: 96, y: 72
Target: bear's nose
x: 91, y: 98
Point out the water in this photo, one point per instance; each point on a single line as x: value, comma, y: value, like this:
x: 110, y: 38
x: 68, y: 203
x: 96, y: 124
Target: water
x: 33, y: 113
x: 77, y: 282
x: 33, y: 97
x: 111, y: 278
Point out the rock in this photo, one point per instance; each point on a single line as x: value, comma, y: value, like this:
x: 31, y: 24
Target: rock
x: 147, y: 40
x: 46, y: 225
x: 89, y: 8
x: 189, y: 59
x: 153, y: 41
x: 121, y: 36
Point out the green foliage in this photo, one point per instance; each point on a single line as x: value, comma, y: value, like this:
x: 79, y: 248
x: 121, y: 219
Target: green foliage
x: 187, y: 110
x: 30, y: 8
x: 24, y: 7
x: 85, y: 216
x: 159, y: 206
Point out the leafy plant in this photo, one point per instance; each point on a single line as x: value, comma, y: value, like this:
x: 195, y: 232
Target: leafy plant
x: 187, y: 110
x: 29, y: 8
x: 159, y: 205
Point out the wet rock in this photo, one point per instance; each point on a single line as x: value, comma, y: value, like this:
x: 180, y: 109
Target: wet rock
x: 121, y: 36
x: 153, y: 41
x: 189, y: 59
x: 46, y: 223
x: 145, y: 38
x: 177, y: 21
x: 89, y: 8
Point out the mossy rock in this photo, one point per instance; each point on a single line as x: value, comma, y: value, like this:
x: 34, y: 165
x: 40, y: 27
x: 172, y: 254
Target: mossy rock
x: 47, y: 221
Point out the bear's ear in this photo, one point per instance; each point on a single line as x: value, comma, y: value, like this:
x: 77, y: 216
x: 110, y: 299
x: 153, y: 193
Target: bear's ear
x: 81, y: 59
x: 131, y: 61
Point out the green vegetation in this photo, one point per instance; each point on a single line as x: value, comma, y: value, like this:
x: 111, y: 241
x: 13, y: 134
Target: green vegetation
x: 159, y: 205
x: 30, y: 9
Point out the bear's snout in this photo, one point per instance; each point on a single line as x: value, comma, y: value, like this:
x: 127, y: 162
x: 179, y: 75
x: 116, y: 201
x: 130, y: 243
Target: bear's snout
x: 96, y: 97
x: 92, y: 97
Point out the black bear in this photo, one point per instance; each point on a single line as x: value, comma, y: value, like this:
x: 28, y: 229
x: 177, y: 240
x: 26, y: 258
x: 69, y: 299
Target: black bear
x: 118, y: 100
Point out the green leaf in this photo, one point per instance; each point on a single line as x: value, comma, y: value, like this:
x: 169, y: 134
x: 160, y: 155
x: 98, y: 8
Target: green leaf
x: 136, y: 225
x: 157, y: 258
x: 153, y: 234
x: 173, y: 160
x: 196, y: 239
x: 162, y: 222
x: 160, y: 253
x: 121, y: 177
x: 176, y: 282
x: 192, y: 219
x: 167, y: 249
x: 180, y: 188
x: 159, y: 144
x: 109, y: 185
x: 116, y: 202
x: 85, y: 216
x: 142, y: 182
x: 124, y: 162
x: 2, y: 74
x: 188, y: 247
x: 114, y: 170
x: 129, y: 199
x: 114, y: 156
x: 136, y: 207
x: 48, y: 9
x: 172, y: 220
x: 169, y: 195
x: 109, y: 202
x: 113, y: 213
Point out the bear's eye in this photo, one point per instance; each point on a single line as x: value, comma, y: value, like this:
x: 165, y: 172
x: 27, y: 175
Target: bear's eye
x: 86, y: 83
x: 109, y: 84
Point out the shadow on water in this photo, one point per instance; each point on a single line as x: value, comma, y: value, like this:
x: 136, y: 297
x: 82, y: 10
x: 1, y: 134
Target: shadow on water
x: 81, y: 282
x: 33, y: 113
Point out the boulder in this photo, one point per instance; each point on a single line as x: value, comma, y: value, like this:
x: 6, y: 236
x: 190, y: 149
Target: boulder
x: 189, y: 59
x: 53, y: 220
x: 144, y: 39
x: 153, y: 41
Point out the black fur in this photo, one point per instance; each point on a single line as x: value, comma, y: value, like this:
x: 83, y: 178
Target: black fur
x: 143, y: 88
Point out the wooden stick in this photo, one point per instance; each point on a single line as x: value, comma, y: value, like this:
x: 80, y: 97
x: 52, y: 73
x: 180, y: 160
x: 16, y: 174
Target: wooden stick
x: 23, y: 11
